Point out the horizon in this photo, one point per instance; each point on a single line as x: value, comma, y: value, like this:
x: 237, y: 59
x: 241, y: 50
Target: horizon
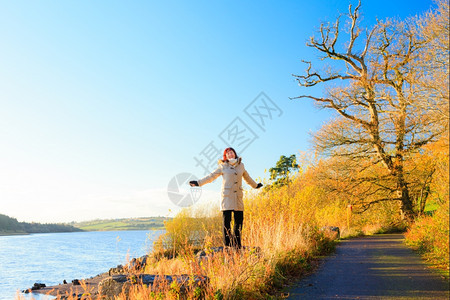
x: 92, y: 220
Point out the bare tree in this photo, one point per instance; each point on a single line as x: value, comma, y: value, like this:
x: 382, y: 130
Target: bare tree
x: 374, y: 84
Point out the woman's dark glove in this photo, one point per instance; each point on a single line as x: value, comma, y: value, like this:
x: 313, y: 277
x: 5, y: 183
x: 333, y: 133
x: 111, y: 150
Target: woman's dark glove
x: 193, y: 183
x: 259, y: 185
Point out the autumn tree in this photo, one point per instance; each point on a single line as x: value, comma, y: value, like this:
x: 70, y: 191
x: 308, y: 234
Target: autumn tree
x: 434, y: 28
x: 374, y: 82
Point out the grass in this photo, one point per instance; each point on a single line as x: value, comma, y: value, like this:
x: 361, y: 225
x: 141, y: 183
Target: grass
x: 429, y: 235
x: 284, y: 224
x: 153, y: 223
x: 249, y: 273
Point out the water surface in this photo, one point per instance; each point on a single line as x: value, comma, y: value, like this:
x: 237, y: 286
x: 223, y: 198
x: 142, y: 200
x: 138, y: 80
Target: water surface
x: 52, y: 257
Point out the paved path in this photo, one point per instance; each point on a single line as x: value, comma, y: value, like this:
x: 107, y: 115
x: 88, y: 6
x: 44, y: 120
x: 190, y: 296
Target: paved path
x: 375, y: 267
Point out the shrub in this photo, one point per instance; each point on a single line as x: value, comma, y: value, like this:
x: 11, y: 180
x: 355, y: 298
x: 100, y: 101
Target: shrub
x: 430, y: 236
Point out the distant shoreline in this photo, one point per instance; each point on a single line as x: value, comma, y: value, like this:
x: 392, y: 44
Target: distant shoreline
x: 142, y: 223
x: 125, y: 229
x: 10, y: 226
x: 13, y: 233
x: 28, y: 233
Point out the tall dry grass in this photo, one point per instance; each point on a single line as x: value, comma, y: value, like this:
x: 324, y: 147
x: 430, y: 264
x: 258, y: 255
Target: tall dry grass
x: 430, y: 233
x: 281, y: 226
x: 430, y: 236
x: 281, y: 229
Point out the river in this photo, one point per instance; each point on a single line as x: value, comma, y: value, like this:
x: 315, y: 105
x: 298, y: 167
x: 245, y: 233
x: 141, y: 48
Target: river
x: 52, y: 257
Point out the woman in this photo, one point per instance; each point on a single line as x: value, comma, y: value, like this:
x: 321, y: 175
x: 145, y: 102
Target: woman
x: 232, y: 170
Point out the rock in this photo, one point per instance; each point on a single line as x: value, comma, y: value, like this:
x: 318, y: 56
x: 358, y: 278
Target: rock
x: 113, y: 286
x: 38, y: 286
x: 332, y: 232
x: 209, y: 252
x: 76, y: 282
x: 74, y: 296
x: 136, y: 264
x: 116, y: 270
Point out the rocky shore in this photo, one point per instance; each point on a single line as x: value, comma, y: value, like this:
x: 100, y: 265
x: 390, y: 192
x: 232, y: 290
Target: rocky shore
x: 79, y: 288
x: 110, y: 284
x: 76, y: 288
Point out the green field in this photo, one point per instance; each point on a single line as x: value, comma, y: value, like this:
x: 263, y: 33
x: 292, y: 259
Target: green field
x: 152, y: 223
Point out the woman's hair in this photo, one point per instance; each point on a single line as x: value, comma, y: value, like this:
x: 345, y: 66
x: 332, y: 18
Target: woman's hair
x: 225, y: 153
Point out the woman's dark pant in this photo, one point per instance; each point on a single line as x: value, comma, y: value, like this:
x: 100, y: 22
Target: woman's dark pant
x: 232, y: 238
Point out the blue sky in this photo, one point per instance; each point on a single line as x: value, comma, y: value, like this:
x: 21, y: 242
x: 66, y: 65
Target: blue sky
x: 102, y: 103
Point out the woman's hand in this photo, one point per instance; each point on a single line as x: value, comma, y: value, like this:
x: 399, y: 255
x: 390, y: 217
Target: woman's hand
x: 259, y: 185
x: 193, y: 183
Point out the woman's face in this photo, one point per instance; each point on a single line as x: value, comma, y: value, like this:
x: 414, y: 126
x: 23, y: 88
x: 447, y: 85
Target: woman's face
x: 230, y: 154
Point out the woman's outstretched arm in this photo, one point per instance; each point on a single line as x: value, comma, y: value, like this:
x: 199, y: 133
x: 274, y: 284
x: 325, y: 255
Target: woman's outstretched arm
x: 250, y: 181
x: 209, y: 178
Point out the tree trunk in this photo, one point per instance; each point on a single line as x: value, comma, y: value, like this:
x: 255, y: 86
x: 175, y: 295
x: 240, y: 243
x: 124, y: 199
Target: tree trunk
x: 407, y: 205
